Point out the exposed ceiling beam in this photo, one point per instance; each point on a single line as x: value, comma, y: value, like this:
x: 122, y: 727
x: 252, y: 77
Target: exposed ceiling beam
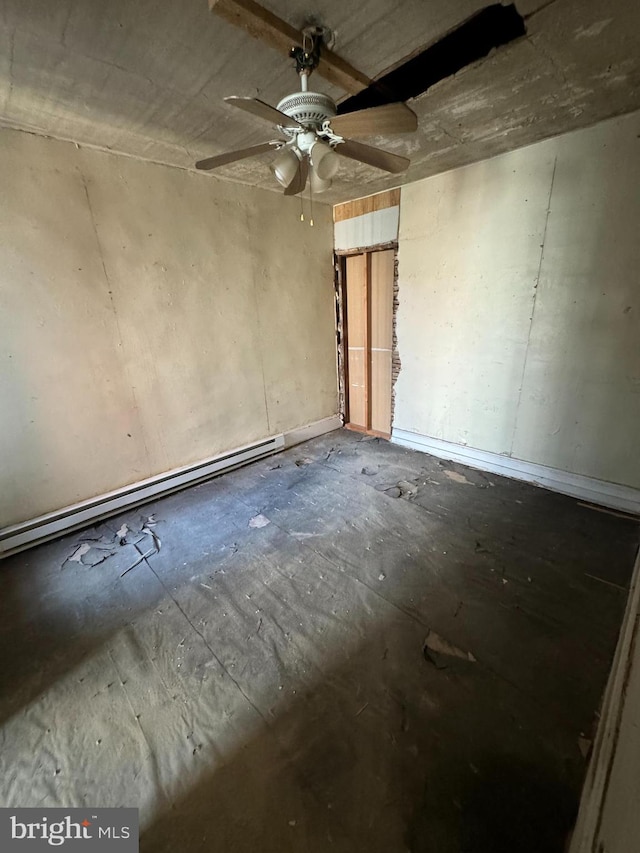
x: 263, y: 25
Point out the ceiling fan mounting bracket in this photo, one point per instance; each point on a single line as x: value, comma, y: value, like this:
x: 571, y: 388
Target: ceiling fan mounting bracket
x: 307, y: 57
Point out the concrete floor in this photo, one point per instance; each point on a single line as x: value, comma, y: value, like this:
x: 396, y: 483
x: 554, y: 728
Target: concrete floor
x: 268, y: 687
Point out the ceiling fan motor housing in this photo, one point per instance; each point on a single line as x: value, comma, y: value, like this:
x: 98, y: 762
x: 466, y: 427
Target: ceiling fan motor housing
x: 309, y: 108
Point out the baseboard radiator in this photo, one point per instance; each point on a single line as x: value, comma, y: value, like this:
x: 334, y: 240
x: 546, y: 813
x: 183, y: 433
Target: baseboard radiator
x: 623, y: 498
x: 37, y: 530
x: 70, y: 518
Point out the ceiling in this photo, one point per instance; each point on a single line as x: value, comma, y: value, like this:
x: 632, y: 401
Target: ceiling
x: 147, y: 78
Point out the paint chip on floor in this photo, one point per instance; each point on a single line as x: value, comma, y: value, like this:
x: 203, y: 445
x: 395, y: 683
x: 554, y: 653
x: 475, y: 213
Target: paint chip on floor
x: 584, y: 745
x: 259, y: 521
x: 79, y: 553
x: 437, y: 649
x: 458, y: 478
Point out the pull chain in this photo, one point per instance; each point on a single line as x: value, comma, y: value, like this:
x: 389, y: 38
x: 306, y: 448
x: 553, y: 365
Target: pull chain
x: 311, y: 202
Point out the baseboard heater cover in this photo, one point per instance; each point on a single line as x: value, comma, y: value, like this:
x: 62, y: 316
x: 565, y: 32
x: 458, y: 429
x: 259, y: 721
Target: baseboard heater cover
x: 34, y: 532
x: 613, y: 495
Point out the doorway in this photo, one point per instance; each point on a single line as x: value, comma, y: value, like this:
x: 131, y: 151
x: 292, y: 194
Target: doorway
x: 368, y: 283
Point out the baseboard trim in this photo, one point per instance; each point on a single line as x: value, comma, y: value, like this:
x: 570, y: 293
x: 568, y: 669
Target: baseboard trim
x: 305, y: 433
x: 587, y: 489
x: 45, y: 527
x: 614, y: 740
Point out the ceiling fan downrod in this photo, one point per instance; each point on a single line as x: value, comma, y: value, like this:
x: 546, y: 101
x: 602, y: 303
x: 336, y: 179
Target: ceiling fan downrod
x: 307, y: 56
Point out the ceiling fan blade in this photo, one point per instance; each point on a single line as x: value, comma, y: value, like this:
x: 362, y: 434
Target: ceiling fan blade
x: 265, y: 111
x: 262, y: 24
x: 387, y: 119
x: 372, y: 156
x: 299, y: 181
x: 240, y: 154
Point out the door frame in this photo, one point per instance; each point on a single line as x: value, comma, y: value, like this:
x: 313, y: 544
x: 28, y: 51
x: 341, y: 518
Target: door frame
x: 342, y: 329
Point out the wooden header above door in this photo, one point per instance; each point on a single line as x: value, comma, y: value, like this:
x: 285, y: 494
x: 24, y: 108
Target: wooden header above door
x: 369, y: 204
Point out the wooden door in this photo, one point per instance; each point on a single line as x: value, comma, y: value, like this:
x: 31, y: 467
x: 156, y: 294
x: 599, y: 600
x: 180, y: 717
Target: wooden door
x: 369, y: 333
x: 357, y: 341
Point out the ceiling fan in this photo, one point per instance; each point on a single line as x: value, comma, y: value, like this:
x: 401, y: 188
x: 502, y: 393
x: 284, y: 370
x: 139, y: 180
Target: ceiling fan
x: 314, y: 134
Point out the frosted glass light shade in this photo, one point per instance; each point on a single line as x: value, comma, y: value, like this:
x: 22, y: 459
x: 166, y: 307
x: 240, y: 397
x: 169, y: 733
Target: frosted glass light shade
x: 324, y: 160
x: 285, y: 166
x: 318, y: 184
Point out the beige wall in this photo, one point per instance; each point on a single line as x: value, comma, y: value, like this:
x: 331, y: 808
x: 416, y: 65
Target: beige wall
x: 149, y: 318
x: 519, y: 318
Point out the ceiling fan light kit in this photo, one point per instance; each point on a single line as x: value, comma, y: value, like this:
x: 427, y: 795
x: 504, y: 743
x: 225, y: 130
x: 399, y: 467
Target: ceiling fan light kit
x: 285, y: 166
x: 324, y: 160
x: 318, y: 185
x: 314, y: 134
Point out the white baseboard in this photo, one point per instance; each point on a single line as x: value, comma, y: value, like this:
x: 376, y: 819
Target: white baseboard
x: 602, y: 821
x: 305, y: 433
x: 37, y: 530
x: 587, y: 489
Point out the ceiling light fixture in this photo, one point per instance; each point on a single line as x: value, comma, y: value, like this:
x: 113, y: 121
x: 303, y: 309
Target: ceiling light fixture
x: 318, y: 184
x: 285, y: 166
x: 324, y: 160
x: 314, y: 136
